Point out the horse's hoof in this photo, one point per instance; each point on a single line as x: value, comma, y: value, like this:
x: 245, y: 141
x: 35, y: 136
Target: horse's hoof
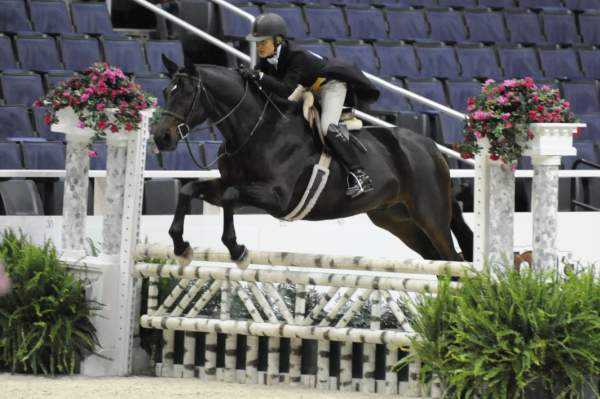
x: 186, y: 257
x: 243, y: 260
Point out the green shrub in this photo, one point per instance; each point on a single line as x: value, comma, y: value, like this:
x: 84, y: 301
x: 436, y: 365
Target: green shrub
x: 504, y: 332
x: 45, y: 320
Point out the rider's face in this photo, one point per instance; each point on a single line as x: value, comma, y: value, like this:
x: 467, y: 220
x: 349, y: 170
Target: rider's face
x: 266, y: 48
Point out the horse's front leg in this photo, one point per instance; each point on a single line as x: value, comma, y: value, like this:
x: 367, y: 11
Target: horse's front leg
x: 238, y: 253
x: 208, y: 190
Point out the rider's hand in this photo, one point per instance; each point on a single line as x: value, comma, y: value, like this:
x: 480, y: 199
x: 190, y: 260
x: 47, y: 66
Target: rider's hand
x: 249, y: 74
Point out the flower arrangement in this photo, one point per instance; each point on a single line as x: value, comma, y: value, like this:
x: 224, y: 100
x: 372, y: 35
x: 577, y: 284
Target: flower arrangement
x: 103, y: 98
x: 501, y: 113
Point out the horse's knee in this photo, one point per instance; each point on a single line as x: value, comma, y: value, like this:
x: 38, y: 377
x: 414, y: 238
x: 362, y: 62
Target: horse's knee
x: 231, y: 196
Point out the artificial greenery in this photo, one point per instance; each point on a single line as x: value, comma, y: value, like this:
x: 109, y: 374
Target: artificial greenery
x: 45, y: 319
x: 503, y: 333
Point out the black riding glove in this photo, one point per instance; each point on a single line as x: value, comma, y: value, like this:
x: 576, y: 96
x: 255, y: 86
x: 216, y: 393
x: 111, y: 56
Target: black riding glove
x: 249, y: 74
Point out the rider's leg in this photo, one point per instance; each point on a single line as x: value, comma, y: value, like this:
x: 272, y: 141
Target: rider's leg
x: 332, y: 96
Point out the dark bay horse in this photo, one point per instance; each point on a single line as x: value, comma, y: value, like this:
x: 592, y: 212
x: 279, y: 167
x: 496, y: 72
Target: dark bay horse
x: 268, y: 155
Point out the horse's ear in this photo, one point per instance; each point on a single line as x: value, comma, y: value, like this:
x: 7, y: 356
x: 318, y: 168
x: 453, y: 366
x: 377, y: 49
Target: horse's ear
x: 189, y: 66
x: 171, y: 66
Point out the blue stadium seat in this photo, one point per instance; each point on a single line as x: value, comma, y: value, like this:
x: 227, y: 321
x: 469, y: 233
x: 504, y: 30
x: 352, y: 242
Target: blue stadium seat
x: 13, y: 16
x: 7, y: 55
x: 180, y: 158
x: 397, y: 59
x: 210, y: 151
x: 582, y: 5
x: 589, y: 25
x: 50, y: 16
x: 457, y: 3
x: 478, y: 61
x: 14, y: 122
x: 156, y: 48
x: 91, y: 18
x: 432, y: 89
x: 124, y: 53
x: 99, y: 161
x: 154, y: 84
x: 232, y: 25
x: 407, y: 24
x: 390, y: 101
x: 539, y: 4
x: 559, y: 63
x: 585, y: 150
x: 21, y: 87
x: 592, y: 131
x: 201, y: 133
x: 419, y: 3
x: 53, y: 78
x: 359, y: 53
x: 79, y: 52
x: 152, y: 160
x: 42, y: 129
x: 10, y: 156
x: 590, y: 61
x: 160, y: 196
x: 496, y: 3
x: 559, y: 26
x: 20, y: 197
x: 316, y: 46
x: 446, y: 25
x: 437, y: 60
x: 37, y: 52
x: 523, y: 27
x: 47, y: 155
x: 292, y: 16
x: 367, y: 23
x: 326, y: 22
x: 519, y: 62
x: 485, y: 26
x: 460, y: 90
x: 583, y: 96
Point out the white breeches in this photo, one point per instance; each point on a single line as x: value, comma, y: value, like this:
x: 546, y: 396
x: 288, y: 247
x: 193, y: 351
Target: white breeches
x: 331, y: 96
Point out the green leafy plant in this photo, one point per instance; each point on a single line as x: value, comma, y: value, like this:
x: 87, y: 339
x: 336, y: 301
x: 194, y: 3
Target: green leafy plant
x: 507, y: 334
x: 45, y: 319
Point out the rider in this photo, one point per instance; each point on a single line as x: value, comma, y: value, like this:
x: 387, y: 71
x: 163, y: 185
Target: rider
x: 283, y: 67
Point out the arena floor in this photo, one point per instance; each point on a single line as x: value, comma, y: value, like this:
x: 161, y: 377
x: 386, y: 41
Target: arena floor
x: 30, y: 387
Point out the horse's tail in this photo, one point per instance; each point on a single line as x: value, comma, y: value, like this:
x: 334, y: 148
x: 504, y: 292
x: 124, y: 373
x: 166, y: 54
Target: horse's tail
x: 462, y: 231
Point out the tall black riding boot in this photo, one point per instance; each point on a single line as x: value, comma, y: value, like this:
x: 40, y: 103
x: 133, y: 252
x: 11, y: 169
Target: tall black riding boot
x: 358, y: 180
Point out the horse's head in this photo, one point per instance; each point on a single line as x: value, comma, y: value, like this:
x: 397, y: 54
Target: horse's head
x: 182, y: 109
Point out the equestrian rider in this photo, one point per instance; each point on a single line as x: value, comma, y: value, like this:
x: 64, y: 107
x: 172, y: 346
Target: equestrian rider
x: 284, y: 69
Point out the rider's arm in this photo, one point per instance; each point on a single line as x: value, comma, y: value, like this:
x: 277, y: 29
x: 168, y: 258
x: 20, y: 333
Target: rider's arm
x: 285, y: 87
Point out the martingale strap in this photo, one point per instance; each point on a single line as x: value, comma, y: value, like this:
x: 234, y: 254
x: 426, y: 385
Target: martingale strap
x: 313, y: 191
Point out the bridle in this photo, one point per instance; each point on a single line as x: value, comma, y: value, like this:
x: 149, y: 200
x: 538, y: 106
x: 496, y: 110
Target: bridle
x: 185, y: 121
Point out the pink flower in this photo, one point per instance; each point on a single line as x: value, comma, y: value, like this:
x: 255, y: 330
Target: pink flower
x: 477, y: 134
x: 101, y: 88
x: 494, y: 156
x: 101, y: 124
x: 48, y: 119
x: 513, y: 167
x: 92, y: 153
x: 511, y: 83
x: 481, y: 116
x: 81, y: 124
x: 505, y: 116
x: 128, y: 126
x: 66, y: 93
x: 502, y: 100
x: 567, y: 104
x: 4, y: 281
x: 38, y: 103
x: 536, y: 98
x: 100, y: 106
x: 85, y: 97
x: 508, y: 125
x: 113, y: 128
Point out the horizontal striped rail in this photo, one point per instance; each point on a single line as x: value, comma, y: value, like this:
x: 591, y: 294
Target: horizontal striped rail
x: 344, y: 334
x: 332, y: 279
x: 293, y: 259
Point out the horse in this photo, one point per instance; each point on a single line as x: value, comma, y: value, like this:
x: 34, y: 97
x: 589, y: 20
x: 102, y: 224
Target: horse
x: 268, y: 154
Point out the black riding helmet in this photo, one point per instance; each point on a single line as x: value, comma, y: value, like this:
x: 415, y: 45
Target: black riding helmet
x: 265, y: 26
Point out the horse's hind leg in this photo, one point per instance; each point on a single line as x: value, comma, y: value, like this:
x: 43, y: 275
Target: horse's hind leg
x: 435, y: 223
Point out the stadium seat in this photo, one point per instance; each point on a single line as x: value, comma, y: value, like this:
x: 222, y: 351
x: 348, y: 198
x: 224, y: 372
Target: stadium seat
x: 359, y: 53
x: 292, y: 16
x: 390, y: 101
x: 523, y: 26
x: 21, y: 87
x: 154, y: 84
x: 201, y: 132
x: 98, y: 162
x: 316, y: 46
x: 37, y: 52
x: 42, y: 129
x: 46, y: 155
x: 13, y: 16
x: 519, y: 62
x: 407, y: 24
x: 325, y: 22
x: 585, y: 150
x: 92, y: 18
x: 429, y: 88
x: 50, y: 16
x: 478, y: 61
x: 160, y: 196
x: 234, y: 26
x: 590, y: 61
x: 459, y: 91
x: 20, y: 197
x: 559, y: 63
x: 419, y: 3
x: 446, y: 25
x: 539, y: 4
x: 485, y: 26
x: 152, y: 161
x: 53, y: 78
x: 79, y: 52
x: 397, y: 59
x: 592, y: 131
x: 10, y: 156
x: 14, y: 122
x: 7, y: 55
x: 583, y: 96
x: 582, y: 5
x: 559, y: 26
x: 180, y: 158
x: 589, y: 25
x: 366, y: 23
x: 124, y: 53
x: 156, y: 48
x: 437, y: 60
x: 209, y: 151
x: 457, y: 3
x: 498, y: 4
